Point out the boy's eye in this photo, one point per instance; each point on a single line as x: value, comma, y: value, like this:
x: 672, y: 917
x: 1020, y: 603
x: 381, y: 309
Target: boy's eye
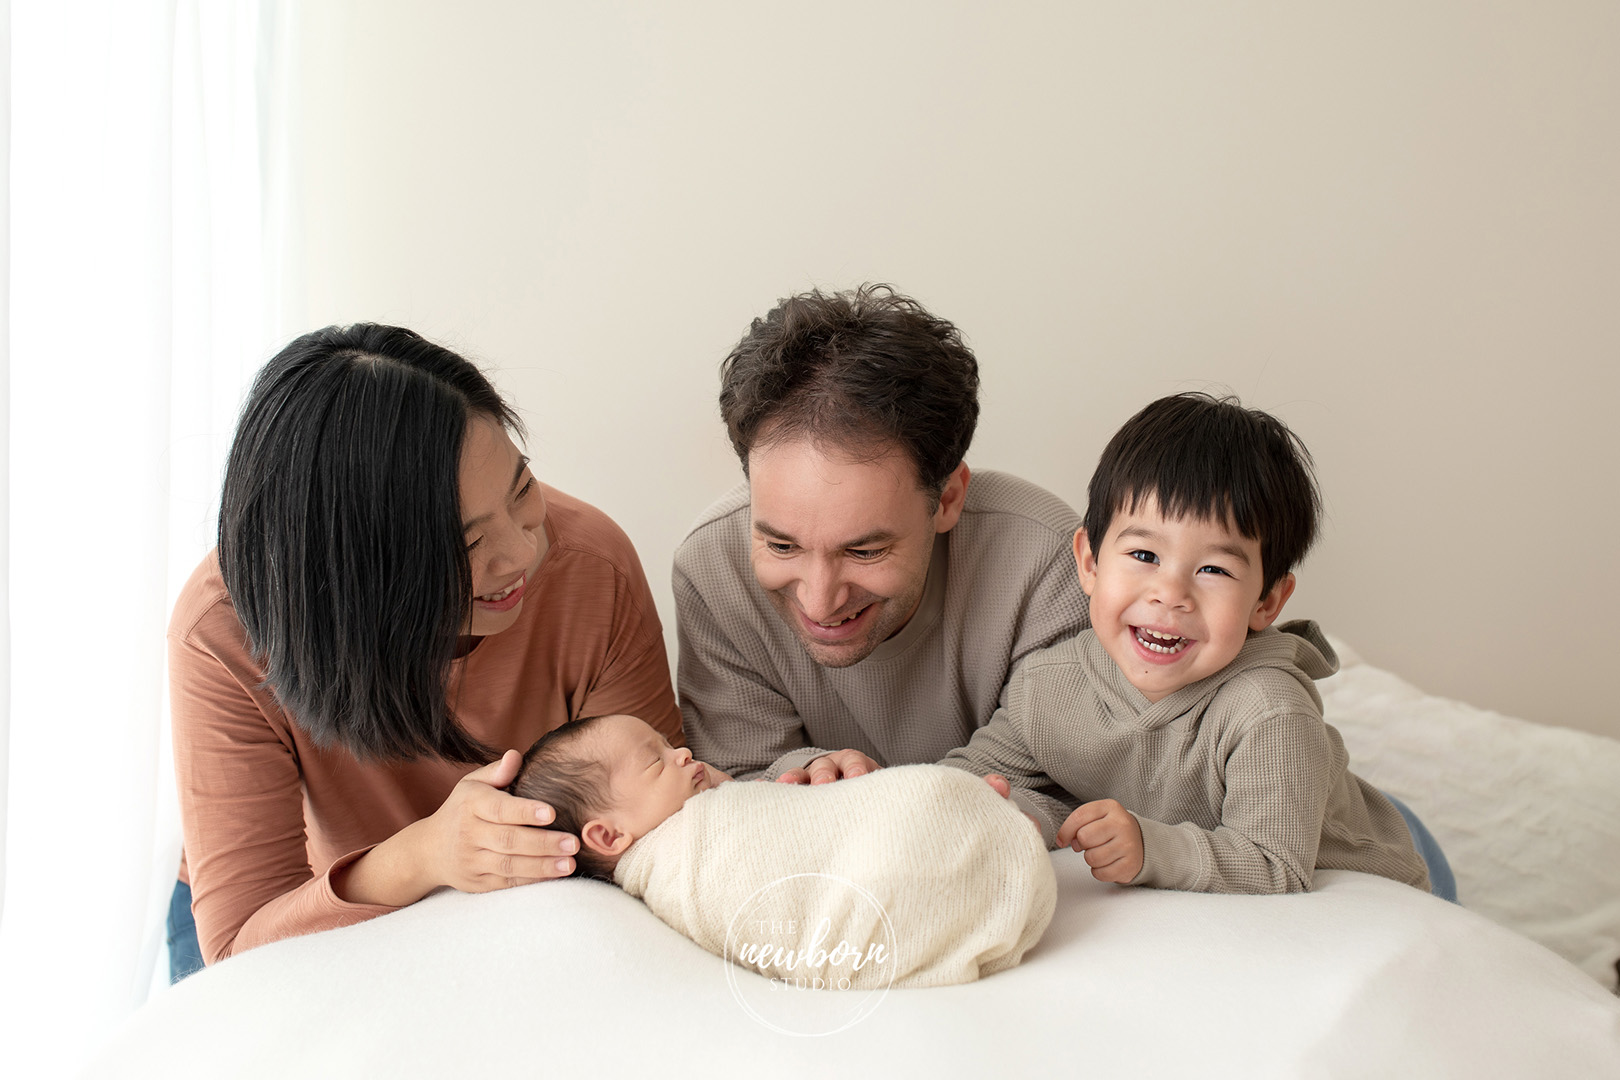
x: 1213, y: 570
x: 1144, y: 556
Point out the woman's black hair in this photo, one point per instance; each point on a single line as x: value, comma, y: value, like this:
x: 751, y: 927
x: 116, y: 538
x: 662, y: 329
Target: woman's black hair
x: 340, y: 535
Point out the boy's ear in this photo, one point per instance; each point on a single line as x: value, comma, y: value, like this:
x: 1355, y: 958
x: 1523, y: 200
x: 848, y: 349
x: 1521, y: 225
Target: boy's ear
x: 1271, y: 604
x: 1084, y: 561
x: 604, y: 837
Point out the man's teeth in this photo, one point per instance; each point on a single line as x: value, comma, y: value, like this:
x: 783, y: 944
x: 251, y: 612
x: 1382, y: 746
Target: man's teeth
x: 840, y: 622
x: 1154, y: 641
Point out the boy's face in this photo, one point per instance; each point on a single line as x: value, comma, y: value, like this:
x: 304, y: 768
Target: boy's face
x: 1173, y: 601
x: 648, y: 778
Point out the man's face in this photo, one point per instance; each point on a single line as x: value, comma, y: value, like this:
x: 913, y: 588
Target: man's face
x: 841, y: 543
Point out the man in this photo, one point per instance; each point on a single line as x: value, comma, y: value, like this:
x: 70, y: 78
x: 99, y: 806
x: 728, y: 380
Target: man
x: 862, y: 599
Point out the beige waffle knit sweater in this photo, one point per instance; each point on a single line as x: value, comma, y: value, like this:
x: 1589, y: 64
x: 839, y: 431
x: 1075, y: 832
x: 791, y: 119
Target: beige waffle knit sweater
x: 1238, y: 784
x: 1002, y: 584
x: 928, y: 863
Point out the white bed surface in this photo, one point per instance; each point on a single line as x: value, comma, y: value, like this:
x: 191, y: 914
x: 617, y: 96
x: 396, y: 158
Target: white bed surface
x: 1363, y: 977
x: 1528, y: 815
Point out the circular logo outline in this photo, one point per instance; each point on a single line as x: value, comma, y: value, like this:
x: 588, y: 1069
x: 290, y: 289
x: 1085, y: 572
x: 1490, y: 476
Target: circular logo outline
x: 867, y: 1007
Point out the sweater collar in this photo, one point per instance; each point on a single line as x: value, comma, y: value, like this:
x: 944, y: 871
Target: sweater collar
x: 1297, y: 646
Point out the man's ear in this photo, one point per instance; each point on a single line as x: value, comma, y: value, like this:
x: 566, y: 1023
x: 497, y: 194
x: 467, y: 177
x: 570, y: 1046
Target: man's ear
x: 951, y: 498
x: 1271, y: 604
x: 604, y: 837
x: 1085, y: 561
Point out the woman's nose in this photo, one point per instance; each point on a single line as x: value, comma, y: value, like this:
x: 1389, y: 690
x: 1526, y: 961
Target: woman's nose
x: 515, y: 550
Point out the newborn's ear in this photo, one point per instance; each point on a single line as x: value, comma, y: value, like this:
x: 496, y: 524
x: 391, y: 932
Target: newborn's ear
x: 604, y: 837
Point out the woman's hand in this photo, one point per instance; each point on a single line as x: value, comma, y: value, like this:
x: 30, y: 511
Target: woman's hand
x: 480, y: 840
x: 483, y: 839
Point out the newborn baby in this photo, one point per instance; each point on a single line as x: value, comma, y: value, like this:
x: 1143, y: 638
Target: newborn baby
x: 928, y: 864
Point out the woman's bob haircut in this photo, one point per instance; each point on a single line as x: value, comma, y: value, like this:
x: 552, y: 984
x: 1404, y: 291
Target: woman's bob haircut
x: 340, y: 535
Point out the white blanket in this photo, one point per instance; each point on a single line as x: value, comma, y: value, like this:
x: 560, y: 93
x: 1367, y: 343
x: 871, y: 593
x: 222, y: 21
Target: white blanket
x: 919, y: 875
x: 1362, y: 978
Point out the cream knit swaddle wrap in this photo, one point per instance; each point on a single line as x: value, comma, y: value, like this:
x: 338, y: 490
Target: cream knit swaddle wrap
x: 962, y: 875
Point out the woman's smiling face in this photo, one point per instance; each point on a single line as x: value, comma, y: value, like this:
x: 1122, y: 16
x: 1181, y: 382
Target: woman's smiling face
x: 503, y: 517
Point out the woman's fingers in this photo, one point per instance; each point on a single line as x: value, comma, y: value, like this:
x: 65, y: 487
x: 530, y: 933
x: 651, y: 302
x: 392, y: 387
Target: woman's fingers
x: 500, y: 772
x: 499, y: 808
x: 509, y: 871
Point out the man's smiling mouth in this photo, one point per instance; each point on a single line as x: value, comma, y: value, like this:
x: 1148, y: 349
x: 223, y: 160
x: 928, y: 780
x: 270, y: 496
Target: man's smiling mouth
x: 840, y: 622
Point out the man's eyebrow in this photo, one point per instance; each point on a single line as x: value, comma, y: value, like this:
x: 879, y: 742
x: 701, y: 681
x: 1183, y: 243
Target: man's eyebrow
x: 517, y: 474
x: 876, y: 537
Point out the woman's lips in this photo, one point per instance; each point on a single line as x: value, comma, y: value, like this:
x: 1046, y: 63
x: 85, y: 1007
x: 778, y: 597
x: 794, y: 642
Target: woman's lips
x: 509, y: 600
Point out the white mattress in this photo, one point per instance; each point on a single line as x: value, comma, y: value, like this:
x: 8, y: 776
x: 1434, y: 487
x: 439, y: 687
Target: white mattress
x: 1363, y: 977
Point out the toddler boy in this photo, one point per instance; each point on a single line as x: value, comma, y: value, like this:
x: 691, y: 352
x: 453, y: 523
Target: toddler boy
x: 1184, y: 721
x: 929, y: 864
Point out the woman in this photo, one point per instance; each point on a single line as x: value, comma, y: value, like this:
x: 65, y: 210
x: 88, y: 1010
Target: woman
x: 394, y: 602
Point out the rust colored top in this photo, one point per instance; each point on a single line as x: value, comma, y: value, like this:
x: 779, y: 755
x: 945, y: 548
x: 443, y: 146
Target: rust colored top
x: 268, y: 815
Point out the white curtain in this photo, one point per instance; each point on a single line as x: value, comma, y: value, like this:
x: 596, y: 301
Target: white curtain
x: 140, y: 300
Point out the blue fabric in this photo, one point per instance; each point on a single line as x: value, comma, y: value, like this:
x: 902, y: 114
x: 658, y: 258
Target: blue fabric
x: 185, y: 955
x: 1442, y: 882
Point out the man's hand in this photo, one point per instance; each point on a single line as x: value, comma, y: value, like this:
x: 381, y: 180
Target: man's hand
x: 1110, y: 837
x: 838, y: 765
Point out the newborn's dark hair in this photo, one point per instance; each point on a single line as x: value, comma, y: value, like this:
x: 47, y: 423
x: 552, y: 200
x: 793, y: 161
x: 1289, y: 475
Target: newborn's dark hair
x: 576, y: 786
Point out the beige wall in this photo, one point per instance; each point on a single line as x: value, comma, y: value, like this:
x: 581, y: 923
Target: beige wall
x: 1394, y: 224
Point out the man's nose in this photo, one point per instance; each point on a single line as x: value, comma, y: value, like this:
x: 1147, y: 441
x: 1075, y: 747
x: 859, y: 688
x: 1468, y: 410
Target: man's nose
x: 821, y: 591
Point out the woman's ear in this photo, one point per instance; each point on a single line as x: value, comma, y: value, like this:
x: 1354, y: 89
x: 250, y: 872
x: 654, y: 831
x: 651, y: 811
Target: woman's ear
x: 1271, y: 604
x: 604, y: 837
x: 1084, y: 561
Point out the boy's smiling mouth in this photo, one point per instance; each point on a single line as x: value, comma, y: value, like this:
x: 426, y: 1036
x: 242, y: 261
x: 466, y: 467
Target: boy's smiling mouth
x: 1163, y: 644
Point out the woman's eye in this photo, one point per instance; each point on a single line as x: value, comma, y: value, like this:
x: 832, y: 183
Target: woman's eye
x: 1144, y: 556
x: 474, y: 544
x: 526, y: 488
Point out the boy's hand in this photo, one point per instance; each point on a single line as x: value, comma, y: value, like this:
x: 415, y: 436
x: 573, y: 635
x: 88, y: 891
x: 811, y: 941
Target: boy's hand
x: 1109, y: 836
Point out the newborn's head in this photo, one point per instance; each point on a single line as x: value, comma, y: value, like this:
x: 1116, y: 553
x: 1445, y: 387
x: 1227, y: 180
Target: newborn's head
x: 611, y: 780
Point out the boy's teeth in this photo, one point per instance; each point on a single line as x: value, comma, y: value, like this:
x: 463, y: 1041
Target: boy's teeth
x: 1154, y: 641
